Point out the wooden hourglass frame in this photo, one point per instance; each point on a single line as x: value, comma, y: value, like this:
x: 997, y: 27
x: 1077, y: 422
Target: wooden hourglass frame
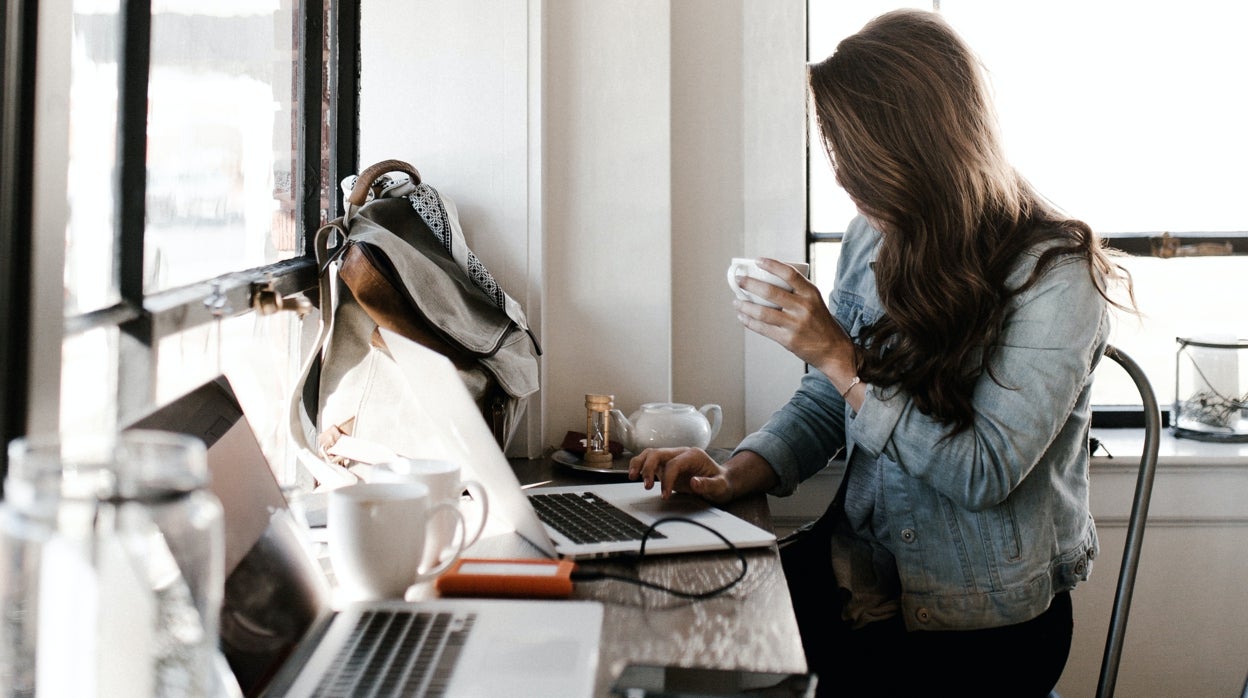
x: 598, y: 429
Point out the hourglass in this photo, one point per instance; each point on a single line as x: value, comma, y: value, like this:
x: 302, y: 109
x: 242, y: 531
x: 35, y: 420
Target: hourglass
x: 598, y: 429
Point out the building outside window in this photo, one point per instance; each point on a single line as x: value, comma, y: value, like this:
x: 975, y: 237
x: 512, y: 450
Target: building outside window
x: 237, y: 137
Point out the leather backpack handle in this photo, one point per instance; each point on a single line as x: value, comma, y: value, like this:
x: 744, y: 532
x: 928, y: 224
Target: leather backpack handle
x: 359, y: 192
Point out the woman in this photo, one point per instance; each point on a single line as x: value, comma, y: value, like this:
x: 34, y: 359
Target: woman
x: 952, y: 368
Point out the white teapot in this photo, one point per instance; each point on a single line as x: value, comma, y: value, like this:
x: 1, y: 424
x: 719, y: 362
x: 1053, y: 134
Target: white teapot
x: 661, y: 424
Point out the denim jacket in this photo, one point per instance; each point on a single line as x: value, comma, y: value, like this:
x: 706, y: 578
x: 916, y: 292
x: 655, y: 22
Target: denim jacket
x: 986, y: 526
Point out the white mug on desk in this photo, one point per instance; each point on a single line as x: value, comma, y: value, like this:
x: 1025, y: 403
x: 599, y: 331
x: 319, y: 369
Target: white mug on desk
x: 744, y: 266
x: 378, y: 533
x: 446, y: 485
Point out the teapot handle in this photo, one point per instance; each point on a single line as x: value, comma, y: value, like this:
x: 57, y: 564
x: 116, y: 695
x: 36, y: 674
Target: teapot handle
x: 715, y: 416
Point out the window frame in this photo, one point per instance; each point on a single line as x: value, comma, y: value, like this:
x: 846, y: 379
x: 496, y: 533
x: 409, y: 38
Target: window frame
x: 1161, y: 245
x: 18, y: 27
x: 144, y: 320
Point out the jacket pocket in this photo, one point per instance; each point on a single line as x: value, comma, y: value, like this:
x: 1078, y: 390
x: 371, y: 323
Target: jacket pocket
x: 1005, y: 530
x: 852, y: 313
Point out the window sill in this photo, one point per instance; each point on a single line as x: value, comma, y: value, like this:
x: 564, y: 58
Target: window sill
x: 1127, y: 444
x: 1198, y: 483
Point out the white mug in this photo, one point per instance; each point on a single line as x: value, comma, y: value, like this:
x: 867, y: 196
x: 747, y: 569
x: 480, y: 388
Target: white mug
x: 445, y: 483
x: 378, y: 534
x: 744, y: 266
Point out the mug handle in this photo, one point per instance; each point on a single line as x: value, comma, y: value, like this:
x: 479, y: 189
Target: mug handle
x: 459, y: 549
x: 477, y: 492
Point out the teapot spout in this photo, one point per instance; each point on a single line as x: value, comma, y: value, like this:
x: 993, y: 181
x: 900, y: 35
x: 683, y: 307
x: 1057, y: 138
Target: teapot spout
x: 622, y: 429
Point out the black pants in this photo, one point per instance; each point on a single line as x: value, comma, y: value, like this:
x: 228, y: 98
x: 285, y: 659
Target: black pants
x: 883, y: 659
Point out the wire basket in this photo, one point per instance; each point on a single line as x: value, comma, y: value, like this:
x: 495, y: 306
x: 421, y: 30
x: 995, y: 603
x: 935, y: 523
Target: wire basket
x: 1211, y: 389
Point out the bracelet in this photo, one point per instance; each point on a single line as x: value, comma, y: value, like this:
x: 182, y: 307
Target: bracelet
x: 855, y: 381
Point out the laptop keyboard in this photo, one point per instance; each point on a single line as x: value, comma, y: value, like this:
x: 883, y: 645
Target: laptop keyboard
x: 587, y: 518
x: 398, y: 653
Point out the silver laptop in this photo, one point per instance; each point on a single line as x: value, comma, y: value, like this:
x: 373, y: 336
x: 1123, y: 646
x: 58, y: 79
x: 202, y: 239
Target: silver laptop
x: 281, y: 637
x: 451, y: 424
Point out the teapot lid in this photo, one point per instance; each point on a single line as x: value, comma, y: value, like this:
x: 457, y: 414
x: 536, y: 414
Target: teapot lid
x: 666, y: 407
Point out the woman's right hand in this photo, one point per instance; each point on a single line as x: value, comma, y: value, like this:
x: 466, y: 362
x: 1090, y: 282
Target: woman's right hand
x: 688, y: 470
x: 802, y: 324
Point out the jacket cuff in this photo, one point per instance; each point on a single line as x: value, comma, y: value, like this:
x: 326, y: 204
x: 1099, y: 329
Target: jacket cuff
x: 873, y: 425
x: 778, y: 455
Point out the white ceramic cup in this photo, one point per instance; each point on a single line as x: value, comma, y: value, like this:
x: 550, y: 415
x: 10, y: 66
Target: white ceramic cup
x: 378, y: 533
x: 446, y: 484
x: 743, y: 266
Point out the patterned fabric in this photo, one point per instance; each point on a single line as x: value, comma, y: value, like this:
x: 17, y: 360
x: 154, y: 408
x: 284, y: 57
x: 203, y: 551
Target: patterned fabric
x: 428, y: 203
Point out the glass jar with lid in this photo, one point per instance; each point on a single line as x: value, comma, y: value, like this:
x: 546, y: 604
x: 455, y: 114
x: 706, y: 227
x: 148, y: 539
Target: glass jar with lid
x: 111, y: 566
x: 1211, y: 389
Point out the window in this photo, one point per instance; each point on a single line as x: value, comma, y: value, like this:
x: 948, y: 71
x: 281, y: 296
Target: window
x: 1127, y: 116
x: 202, y: 143
x: 17, y: 68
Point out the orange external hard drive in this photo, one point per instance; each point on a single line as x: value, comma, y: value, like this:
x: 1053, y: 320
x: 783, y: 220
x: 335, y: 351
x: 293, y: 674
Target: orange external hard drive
x: 509, y: 578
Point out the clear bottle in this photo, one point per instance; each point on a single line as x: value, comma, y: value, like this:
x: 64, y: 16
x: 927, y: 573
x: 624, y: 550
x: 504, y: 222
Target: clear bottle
x: 111, y: 567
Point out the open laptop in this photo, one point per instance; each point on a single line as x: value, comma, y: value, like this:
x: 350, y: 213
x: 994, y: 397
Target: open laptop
x: 450, y: 426
x: 280, y: 635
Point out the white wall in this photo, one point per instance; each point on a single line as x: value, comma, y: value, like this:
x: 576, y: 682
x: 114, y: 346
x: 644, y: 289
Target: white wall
x: 608, y: 206
x: 608, y: 158
x: 446, y: 87
x: 49, y: 212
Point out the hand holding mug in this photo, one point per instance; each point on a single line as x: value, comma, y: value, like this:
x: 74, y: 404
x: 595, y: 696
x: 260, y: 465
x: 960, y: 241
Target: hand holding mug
x: 748, y: 268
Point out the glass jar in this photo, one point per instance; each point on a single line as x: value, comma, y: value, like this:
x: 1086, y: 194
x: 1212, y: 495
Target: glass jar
x: 111, y: 565
x: 1211, y: 389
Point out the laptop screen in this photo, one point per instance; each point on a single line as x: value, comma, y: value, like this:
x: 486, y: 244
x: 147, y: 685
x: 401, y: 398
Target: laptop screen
x: 274, y: 590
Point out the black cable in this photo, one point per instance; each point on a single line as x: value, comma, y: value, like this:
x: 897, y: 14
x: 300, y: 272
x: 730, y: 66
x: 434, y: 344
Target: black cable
x: 580, y: 575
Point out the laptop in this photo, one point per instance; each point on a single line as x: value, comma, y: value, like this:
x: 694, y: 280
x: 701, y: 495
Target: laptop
x: 450, y: 426
x: 281, y: 636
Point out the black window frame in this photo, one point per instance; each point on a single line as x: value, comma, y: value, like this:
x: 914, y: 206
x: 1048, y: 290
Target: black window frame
x: 1162, y: 245
x: 18, y: 24
x: 144, y: 320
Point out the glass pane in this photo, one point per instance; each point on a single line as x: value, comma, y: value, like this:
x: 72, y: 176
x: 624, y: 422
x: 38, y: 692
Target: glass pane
x: 260, y: 356
x: 1105, y: 124
x: 221, y: 139
x: 1180, y: 297
x: 829, y: 21
x: 89, y: 381
x: 823, y: 258
x: 90, y: 277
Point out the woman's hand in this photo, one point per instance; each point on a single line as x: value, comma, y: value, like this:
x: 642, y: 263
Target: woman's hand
x: 691, y: 470
x: 802, y: 324
x: 688, y: 470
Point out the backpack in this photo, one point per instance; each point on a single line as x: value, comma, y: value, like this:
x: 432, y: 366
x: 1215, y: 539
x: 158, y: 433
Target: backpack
x: 397, y: 259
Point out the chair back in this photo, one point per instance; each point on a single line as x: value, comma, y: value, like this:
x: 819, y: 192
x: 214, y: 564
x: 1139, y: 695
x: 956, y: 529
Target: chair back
x: 1135, y: 525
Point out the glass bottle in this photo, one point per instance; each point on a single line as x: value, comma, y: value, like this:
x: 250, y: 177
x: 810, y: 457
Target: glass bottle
x: 111, y: 566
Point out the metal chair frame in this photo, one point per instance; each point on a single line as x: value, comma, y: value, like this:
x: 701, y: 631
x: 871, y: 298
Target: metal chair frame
x: 1135, y: 525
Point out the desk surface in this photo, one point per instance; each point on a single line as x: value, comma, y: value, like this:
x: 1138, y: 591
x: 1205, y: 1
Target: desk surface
x: 751, y: 626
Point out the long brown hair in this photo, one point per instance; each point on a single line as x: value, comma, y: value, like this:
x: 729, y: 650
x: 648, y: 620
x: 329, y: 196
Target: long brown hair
x: 904, y: 114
